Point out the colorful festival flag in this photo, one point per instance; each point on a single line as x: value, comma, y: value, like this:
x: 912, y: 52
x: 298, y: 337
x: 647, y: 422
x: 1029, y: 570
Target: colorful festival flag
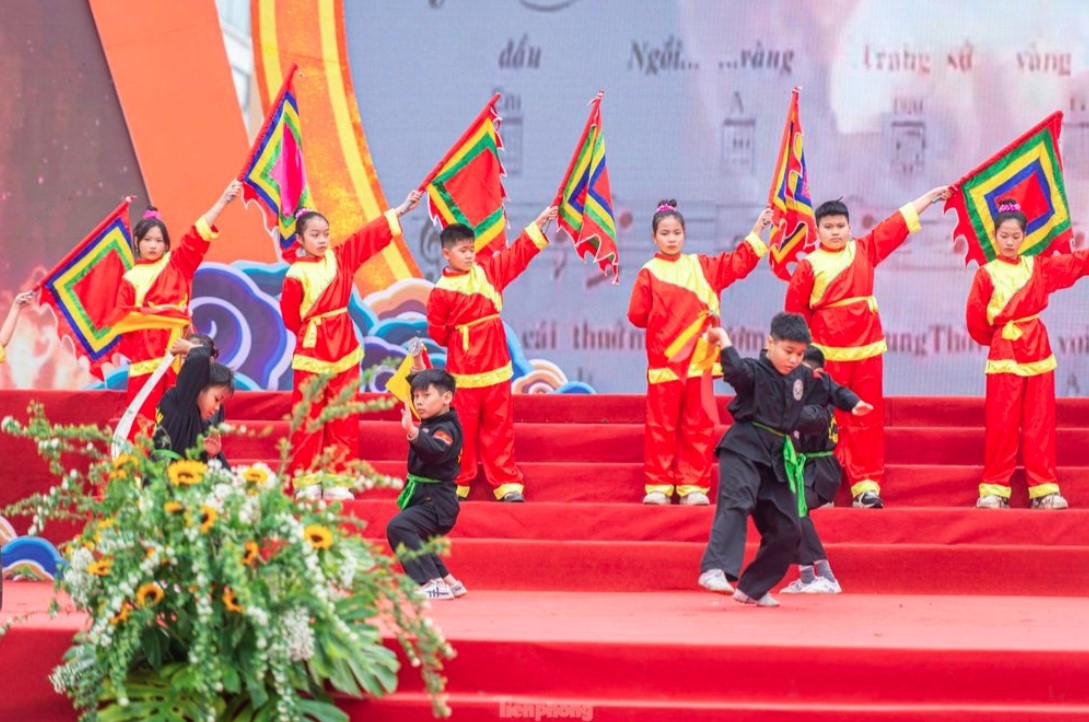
x: 467, y: 187
x: 793, y: 227
x: 82, y: 289
x: 585, y: 199
x: 1030, y: 171
x: 274, y: 175
x: 398, y: 384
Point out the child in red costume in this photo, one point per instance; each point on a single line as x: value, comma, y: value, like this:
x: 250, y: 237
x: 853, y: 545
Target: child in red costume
x: 833, y: 288
x: 676, y: 299
x: 1003, y: 313
x: 314, y: 305
x: 463, y: 315
x: 153, y: 299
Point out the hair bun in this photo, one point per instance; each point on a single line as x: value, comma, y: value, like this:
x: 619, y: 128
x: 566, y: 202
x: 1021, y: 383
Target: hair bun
x: 1008, y: 205
x: 151, y: 212
x: 666, y: 205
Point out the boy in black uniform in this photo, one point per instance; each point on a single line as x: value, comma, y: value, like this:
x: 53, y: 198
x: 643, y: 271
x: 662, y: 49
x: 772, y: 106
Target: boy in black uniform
x: 429, y: 503
x: 823, y: 474
x: 754, y: 456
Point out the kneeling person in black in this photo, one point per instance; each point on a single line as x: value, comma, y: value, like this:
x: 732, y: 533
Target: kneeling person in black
x: 429, y: 503
x: 768, y: 410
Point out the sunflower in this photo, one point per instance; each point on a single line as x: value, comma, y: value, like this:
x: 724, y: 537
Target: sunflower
x: 123, y: 615
x: 100, y: 568
x: 230, y: 601
x: 172, y: 507
x: 319, y: 536
x: 148, y: 595
x: 186, y: 473
x: 207, y: 518
x: 251, y: 553
x: 123, y: 466
x: 255, y: 475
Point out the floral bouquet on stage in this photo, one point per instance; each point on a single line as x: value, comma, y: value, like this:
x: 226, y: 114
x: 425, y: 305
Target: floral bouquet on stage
x: 212, y: 595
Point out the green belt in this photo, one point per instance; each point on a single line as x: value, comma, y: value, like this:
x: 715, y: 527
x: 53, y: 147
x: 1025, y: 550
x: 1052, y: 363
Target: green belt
x: 410, y: 488
x: 794, y: 463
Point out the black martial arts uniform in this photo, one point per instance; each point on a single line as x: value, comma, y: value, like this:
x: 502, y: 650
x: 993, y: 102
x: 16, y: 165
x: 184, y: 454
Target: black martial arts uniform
x: 178, y: 418
x: 429, y: 502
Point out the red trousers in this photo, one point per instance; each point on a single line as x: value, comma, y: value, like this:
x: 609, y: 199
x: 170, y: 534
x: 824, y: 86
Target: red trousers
x: 861, y: 448
x: 1020, y: 407
x: 145, y: 419
x: 679, y: 436
x: 339, y: 436
x: 487, y: 426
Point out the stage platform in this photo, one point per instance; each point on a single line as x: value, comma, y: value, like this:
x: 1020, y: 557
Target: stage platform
x: 584, y: 602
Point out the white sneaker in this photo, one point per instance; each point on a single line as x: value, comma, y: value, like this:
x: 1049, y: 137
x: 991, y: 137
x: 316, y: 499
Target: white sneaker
x: 309, y: 492
x: 1050, y: 501
x: 714, y: 580
x: 795, y: 587
x: 832, y: 586
x: 436, y: 589
x: 656, y: 498
x: 765, y: 601
x: 694, y: 498
x: 458, y: 589
x: 819, y: 585
x: 992, y: 501
x: 337, y: 493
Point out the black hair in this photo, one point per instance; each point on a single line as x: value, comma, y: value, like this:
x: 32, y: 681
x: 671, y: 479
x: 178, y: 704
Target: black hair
x: 220, y: 375
x: 790, y: 327
x: 305, y: 217
x: 813, y: 356
x: 456, y: 233
x: 1017, y: 215
x: 440, y: 379
x: 144, y: 226
x: 666, y: 209
x: 831, y: 208
x: 204, y: 340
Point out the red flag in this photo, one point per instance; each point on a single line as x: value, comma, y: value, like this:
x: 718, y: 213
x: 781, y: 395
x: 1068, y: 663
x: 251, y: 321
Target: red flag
x: 585, y: 198
x: 793, y: 227
x: 82, y: 288
x: 467, y: 187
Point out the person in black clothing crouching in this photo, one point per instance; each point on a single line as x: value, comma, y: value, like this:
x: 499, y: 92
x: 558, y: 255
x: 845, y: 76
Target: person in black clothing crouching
x: 429, y: 503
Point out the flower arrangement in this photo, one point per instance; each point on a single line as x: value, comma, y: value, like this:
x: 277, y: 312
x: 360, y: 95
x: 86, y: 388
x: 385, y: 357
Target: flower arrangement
x: 212, y: 595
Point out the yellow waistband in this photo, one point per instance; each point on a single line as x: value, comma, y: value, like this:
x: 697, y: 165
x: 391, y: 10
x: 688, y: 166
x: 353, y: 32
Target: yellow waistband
x: 868, y: 300
x: 1011, y: 332
x: 487, y: 378
x: 463, y: 329
x: 310, y: 338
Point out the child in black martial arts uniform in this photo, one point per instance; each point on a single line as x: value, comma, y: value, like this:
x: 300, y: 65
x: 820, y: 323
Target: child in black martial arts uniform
x: 823, y: 474
x: 759, y: 470
x: 429, y: 503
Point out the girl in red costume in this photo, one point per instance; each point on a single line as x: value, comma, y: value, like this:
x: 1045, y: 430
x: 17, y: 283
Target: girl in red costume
x: 314, y: 305
x: 153, y: 299
x: 1003, y: 313
x: 676, y: 299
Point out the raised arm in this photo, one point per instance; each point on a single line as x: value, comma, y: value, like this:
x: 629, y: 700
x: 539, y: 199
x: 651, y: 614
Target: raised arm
x: 735, y: 370
x: 7, y: 329
x: 194, y: 245
x: 374, y: 236
x: 435, y: 447
x: 507, y: 264
x: 890, y: 233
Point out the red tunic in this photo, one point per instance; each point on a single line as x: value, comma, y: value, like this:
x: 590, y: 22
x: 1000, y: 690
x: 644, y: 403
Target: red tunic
x: 677, y: 298
x: 834, y: 290
x: 153, y: 300
x: 316, y: 292
x: 1004, y: 307
x: 463, y: 313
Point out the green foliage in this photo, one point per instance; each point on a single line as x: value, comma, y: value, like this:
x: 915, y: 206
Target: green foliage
x: 212, y: 595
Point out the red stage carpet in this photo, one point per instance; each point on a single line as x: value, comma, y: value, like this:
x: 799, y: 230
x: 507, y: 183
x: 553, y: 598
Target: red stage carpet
x: 583, y: 603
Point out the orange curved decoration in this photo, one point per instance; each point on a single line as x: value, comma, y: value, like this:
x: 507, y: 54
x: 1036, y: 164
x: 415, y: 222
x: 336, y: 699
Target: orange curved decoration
x: 338, y: 161
x: 173, y: 79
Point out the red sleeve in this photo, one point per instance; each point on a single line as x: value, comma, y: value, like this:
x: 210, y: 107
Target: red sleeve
x: 799, y: 291
x: 506, y: 265
x: 194, y: 245
x: 725, y: 268
x: 368, y: 241
x: 639, y: 306
x: 290, y: 302
x: 979, y: 328
x: 437, y: 312
x: 126, y: 295
x: 1063, y: 271
x: 889, y: 234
